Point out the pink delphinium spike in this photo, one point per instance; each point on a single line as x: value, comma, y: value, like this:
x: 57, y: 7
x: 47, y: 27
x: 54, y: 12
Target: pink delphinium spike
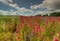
x: 29, y: 24
x: 22, y: 25
x: 17, y: 30
x: 52, y: 20
x: 37, y: 27
x: 56, y: 39
x: 42, y: 29
x: 33, y: 31
x: 46, y: 23
x: 17, y: 37
x: 58, y: 18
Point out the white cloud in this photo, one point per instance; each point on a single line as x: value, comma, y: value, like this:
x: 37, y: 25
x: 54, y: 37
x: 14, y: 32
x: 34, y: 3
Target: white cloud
x: 14, y: 5
x: 9, y: 3
x: 7, y: 13
x: 6, y: 1
x: 19, y: 11
x: 24, y: 10
x: 49, y: 4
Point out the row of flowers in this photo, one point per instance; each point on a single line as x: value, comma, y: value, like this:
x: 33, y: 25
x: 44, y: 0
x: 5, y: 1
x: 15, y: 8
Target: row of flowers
x: 39, y: 28
x: 30, y: 29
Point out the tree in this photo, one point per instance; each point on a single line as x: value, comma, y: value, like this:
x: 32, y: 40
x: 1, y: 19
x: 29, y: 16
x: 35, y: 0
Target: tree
x: 45, y: 15
x: 55, y: 14
x: 38, y: 15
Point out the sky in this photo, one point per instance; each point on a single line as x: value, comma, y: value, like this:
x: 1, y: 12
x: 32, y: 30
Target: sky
x: 28, y: 7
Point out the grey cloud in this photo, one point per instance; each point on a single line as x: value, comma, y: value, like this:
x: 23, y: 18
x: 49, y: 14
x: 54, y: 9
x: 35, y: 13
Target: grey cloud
x: 6, y: 2
x: 49, y: 4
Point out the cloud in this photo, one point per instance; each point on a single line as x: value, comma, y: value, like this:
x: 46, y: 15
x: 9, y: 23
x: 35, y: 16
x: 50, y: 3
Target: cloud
x: 19, y: 11
x: 7, y: 13
x: 49, y: 4
x: 6, y: 1
x: 24, y: 10
x: 9, y: 3
x: 14, y: 5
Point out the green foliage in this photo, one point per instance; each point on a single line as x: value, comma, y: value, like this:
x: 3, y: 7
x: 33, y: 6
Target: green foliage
x: 55, y: 14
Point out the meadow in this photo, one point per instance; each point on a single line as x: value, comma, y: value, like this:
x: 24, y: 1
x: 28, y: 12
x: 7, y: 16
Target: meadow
x: 33, y: 28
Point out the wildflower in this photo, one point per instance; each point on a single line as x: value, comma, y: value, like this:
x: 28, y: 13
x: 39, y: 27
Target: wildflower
x: 55, y: 39
x: 17, y: 30
x: 52, y: 34
x: 17, y: 36
x: 58, y: 34
x: 46, y: 22
x: 29, y: 24
x: 21, y: 25
x: 42, y: 29
x: 33, y: 31
x: 37, y: 27
x: 58, y: 18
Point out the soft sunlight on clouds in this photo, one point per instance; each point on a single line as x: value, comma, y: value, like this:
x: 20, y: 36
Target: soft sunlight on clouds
x: 13, y: 5
x: 6, y: 2
x: 19, y: 11
x: 49, y: 4
x: 9, y: 3
x: 24, y: 10
x: 7, y: 12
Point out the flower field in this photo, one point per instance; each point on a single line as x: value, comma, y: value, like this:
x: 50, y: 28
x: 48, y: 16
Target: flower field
x: 33, y: 28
